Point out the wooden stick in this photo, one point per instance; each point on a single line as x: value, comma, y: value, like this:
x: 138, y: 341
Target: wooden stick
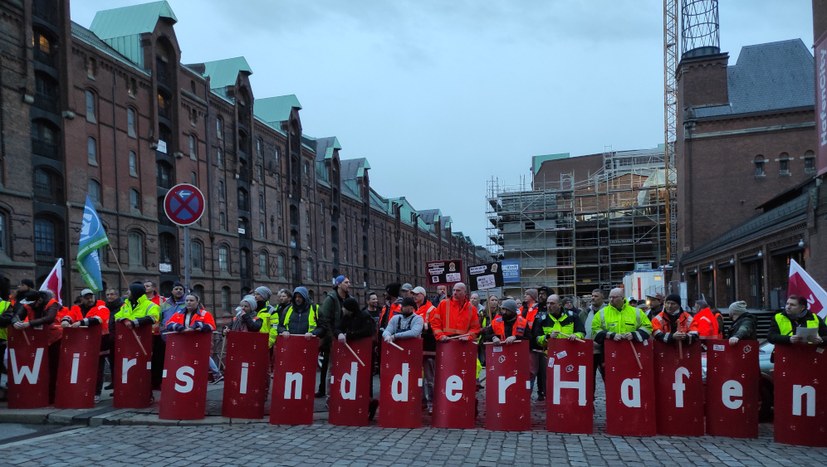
x: 26, y: 336
x: 680, y: 350
x: 569, y: 335
x: 637, y: 357
x: 394, y: 344
x: 118, y: 263
x: 460, y: 336
x: 140, y: 344
x: 354, y: 354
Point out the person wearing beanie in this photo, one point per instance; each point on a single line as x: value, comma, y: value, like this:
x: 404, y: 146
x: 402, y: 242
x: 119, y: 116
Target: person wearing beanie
x: 705, y: 323
x: 354, y: 324
x: 264, y: 311
x: 330, y: 315
x: 299, y: 317
x: 507, y: 327
x: 406, y: 324
x: 784, y: 325
x: 137, y: 309
x: 246, y: 318
x: 673, y: 324
x: 743, y: 323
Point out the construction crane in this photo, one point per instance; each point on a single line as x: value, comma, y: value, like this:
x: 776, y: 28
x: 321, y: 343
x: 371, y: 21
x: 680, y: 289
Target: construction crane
x: 670, y: 118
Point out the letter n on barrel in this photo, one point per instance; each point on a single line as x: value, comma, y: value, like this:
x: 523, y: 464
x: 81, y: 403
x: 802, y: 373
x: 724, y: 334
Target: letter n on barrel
x: 569, y: 383
x: 294, y: 379
x: 732, y: 389
x: 630, y: 392
x: 507, y: 387
x: 800, y: 395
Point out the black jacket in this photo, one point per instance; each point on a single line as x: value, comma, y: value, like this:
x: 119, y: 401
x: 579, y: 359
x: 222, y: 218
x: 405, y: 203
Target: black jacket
x: 356, y: 325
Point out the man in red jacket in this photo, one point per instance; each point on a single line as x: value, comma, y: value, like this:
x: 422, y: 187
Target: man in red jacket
x: 705, y: 323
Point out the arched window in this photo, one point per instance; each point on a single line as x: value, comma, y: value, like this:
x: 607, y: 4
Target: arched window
x: 244, y: 262
x: 310, y: 275
x: 225, y: 298
x: 193, y: 147
x: 197, y: 254
x: 92, y: 151
x: 164, y: 175
x: 809, y: 162
x: 93, y: 189
x: 134, y: 200
x: 131, y: 124
x: 133, y: 164
x: 263, y: 266
x: 219, y: 157
x: 167, y: 251
x: 223, y: 259
x: 280, y: 265
x: 136, y: 248
x: 243, y: 200
x: 91, y: 104
x: 222, y: 221
x: 219, y: 128
x: 222, y: 191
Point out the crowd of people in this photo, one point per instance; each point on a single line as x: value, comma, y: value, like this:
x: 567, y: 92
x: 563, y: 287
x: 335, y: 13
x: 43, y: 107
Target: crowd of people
x: 404, y: 312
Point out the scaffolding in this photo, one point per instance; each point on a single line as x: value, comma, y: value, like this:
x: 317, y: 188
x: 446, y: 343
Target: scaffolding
x: 578, y: 236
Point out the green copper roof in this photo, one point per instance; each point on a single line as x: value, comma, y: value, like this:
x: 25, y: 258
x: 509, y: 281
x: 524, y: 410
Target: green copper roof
x: 225, y: 72
x: 276, y: 109
x: 537, y: 161
x: 121, y: 28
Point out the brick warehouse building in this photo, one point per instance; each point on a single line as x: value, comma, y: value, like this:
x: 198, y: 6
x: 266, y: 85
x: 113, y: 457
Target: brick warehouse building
x: 749, y: 199
x: 110, y: 111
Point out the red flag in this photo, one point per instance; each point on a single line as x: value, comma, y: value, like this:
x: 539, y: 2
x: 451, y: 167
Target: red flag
x: 54, y: 281
x: 802, y: 284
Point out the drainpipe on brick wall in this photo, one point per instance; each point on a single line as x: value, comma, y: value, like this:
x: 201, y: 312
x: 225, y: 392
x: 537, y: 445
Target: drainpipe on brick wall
x: 116, y: 251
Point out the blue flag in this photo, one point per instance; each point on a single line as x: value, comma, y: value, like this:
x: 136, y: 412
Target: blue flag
x: 92, y: 237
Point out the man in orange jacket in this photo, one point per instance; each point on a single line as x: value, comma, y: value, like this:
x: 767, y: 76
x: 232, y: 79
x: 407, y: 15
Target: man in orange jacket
x: 704, y: 322
x: 456, y: 317
x: 672, y: 324
x: 91, y: 313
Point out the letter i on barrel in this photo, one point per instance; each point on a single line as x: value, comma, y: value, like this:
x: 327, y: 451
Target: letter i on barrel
x: 245, y: 375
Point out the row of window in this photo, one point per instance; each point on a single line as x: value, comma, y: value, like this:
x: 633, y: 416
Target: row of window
x: 92, y: 112
x: 784, y: 164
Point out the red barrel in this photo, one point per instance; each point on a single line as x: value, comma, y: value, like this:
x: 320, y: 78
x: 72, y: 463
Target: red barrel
x: 507, y: 387
x: 455, y: 384
x: 28, y: 368
x: 680, y: 389
x: 732, y: 388
x: 630, y: 389
x: 133, y: 357
x: 186, y: 370
x: 400, y: 385
x: 245, y: 375
x: 294, y: 377
x: 800, y: 395
x: 350, y: 383
x: 569, y: 383
x: 77, y: 371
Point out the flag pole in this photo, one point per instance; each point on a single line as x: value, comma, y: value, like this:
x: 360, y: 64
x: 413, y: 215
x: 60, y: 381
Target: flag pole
x: 115, y: 255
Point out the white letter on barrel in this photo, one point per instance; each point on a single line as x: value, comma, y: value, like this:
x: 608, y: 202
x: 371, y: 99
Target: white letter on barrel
x: 29, y: 373
x: 729, y: 391
x: 349, y: 379
x: 678, y: 386
x: 399, y: 384
x: 798, y: 394
x: 453, y: 388
x: 293, y: 385
x: 503, y: 383
x: 630, y: 392
x: 184, y: 374
x: 73, y: 378
x: 127, y: 364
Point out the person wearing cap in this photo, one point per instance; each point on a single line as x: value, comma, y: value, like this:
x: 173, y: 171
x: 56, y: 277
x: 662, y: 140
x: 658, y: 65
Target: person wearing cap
x: 246, y: 318
x: 90, y: 313
x: 405, y: 290
x: 785, y: 324
x: 25, y: 286
x: 330, y: 313
x: 456, y: 317
x: 655, y: 302
x: 673, y: 324
x: 299, y: 317
x: 542, y: 297
x: 507, y: 327
x: 618, y: 321
x: 39, y: 309
x: 425, y: 310
x: 705, y: 323
x: 406, y: 324
x: 743, y: 323
x: 355, y: 324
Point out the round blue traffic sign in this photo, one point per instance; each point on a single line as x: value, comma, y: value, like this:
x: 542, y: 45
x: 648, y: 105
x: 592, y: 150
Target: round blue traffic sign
x: 184, y: 204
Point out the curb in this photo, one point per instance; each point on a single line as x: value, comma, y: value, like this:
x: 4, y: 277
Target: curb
x: 110, y: 416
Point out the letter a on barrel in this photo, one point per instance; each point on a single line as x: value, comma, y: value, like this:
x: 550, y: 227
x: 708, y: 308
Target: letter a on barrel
x: 455, y: 384
x: 630, y: 391
x: 732, y: 388
x: 245, y: 375
x: 77, y: 371
x: 28, y: 368
x: 186, y: 368
x: 680, y: 389
x: 350, y: 383
x: 294, y: 379
x: 507, y: 390
x: 800, y: 395
x: 401, y: 384
x: 133, y: 354
x: 569, y: 382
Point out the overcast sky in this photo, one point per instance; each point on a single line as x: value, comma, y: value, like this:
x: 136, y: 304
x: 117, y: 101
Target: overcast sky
x: 442, y: 95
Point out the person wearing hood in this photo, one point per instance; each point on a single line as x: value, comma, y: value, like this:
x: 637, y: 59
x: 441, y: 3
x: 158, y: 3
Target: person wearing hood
x: 705, y: 323
x: 673, y: 324
x: 265, y: 311
x: 330, y: 313
x: 299, y: 317
x: 246, y: 319
x: 784, y: 325
x: 507, y: 327
x: 743, y: 323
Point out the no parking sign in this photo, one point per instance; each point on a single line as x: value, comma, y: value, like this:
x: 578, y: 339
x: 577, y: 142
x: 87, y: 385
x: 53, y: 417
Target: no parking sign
x: 184, y: 204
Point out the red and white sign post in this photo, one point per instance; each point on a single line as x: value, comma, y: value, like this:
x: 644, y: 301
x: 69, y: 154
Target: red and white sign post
x: 680, y: 389
x: 569, y: 383
x: 133, y: 358
x: 455, y: 384
x: 732, y: 388
x: 800, y: 395
x: 186, y: 370
x: 77, y: 370
x: 350, y: 383
x: 507, y: 388
x: 245, y: 375
x: 400, y: 388
x: 630, y: 388
x: 28, y: 368
x: 294, y: 376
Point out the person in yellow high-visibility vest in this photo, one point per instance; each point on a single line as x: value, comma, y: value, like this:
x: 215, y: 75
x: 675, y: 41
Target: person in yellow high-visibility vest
x: 783, y: 327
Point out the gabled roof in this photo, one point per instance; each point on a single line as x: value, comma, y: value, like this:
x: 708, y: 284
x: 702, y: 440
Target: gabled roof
x: 771, y: 76
x: 352, y: 169
x: 326, y: 146
x: 223, y: 73
x: 430, y: 216
x: 122, y: 27
x: 87, y: 36
x: 276, y: 109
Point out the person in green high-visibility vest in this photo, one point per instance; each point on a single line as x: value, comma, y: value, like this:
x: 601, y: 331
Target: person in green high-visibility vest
x: 784, y: 325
